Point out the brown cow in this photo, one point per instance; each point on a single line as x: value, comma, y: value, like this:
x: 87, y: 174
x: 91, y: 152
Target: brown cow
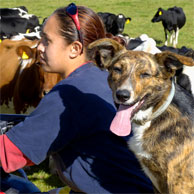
x: 9, y: 67
x: 22, y: 78
x: 32, y: 82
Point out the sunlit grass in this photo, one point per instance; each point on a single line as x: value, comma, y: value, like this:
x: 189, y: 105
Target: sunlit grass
x: 140, y: 11
x: 43, y: 179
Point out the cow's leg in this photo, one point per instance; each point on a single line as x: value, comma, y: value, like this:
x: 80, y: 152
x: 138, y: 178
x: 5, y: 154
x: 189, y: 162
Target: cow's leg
x: 171, y: 37
x: 166, y: 37
x: 176, y: 36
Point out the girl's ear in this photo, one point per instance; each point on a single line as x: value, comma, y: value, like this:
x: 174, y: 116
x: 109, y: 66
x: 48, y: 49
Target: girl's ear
x: 75, y: 49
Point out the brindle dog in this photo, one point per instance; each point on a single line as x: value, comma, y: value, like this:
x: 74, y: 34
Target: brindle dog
x: 160, y: 113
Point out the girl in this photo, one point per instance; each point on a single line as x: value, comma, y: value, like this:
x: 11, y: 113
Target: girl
x: 72, y: 121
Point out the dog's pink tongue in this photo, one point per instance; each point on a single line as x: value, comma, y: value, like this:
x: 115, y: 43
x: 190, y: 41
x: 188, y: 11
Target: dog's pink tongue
x: 121, y: 124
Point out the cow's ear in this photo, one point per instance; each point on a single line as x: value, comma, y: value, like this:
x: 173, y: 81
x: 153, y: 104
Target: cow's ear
x: 103, y: 51
x: 171, y: 62
x: 25, y: 52
x: 127, y: 20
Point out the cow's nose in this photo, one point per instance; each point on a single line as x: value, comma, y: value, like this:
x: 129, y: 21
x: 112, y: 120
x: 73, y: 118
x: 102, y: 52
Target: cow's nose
x: 123, y: 95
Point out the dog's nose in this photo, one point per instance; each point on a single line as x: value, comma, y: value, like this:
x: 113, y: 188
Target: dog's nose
x: 123, y: 95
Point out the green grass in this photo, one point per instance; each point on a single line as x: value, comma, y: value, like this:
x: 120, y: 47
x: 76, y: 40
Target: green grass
x: 40, y: 175
x: 141, y: 12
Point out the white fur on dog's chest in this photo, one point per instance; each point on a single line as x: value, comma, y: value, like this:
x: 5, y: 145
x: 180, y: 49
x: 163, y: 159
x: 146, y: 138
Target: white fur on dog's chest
x: 135, y: 144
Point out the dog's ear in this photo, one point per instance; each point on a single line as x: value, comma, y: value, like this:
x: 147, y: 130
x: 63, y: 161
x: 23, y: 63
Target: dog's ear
x: 103, y: 51
x: 172, y: 61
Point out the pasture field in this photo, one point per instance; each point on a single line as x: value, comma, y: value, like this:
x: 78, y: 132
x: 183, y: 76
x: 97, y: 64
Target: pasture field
x: 141, y: 12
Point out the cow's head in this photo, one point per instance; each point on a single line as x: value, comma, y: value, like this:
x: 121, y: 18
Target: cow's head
x: 10, y: 67
x: 21, y: 77
x: 32, y: 83
x: 121, y: 20
x: 158, y: 16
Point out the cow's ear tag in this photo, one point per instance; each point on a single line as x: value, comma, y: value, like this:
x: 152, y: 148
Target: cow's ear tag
x: 24, y: 55
x: 160, y: 13
x: 27, y: 31
x: 127, y: 21
x: 0, y: 40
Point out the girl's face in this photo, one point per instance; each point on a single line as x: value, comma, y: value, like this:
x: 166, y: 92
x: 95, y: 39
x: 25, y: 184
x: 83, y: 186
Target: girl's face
x: 54, y: 51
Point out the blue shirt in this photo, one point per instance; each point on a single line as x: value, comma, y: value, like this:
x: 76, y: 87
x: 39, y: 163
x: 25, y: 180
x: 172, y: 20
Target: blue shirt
x: 72, y: 123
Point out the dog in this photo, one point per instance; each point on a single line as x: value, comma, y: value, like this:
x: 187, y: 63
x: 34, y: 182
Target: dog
x: 159, y: 112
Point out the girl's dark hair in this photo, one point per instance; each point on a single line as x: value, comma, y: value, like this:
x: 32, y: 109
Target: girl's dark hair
x: 91, y: 25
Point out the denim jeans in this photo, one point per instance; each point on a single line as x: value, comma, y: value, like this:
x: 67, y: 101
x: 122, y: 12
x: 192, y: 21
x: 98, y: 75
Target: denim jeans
x: 17, y: 183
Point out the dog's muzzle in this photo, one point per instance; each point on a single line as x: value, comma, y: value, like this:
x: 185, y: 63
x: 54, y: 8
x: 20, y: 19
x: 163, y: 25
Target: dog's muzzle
x: 123, y: 95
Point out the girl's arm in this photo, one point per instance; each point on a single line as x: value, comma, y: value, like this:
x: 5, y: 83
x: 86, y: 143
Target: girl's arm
x: 11, y: 158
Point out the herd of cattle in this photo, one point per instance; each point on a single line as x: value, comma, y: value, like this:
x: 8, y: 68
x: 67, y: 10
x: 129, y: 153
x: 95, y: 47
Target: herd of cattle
x: 16, y: 21
x: 22, y: 79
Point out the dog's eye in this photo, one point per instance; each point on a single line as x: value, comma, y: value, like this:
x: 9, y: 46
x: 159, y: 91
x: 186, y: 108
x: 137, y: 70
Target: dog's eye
x: 117, y: 69
x: 145, y: 75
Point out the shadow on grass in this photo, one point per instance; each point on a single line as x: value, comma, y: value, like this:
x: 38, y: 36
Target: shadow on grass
x: 159, y: 42
x: 41, y: 175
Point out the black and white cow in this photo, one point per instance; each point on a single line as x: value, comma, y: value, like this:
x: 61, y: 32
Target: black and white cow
x: 30, y: 36
x: 11, y: 25
x: 173, y: 20
x: 17, y: 11
x: 143, y: 43
x: 114, y: 24
x: 184, y: 76
x: 17, y: 20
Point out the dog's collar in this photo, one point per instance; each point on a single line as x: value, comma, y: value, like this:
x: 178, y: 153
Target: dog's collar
x: 165, y: 104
